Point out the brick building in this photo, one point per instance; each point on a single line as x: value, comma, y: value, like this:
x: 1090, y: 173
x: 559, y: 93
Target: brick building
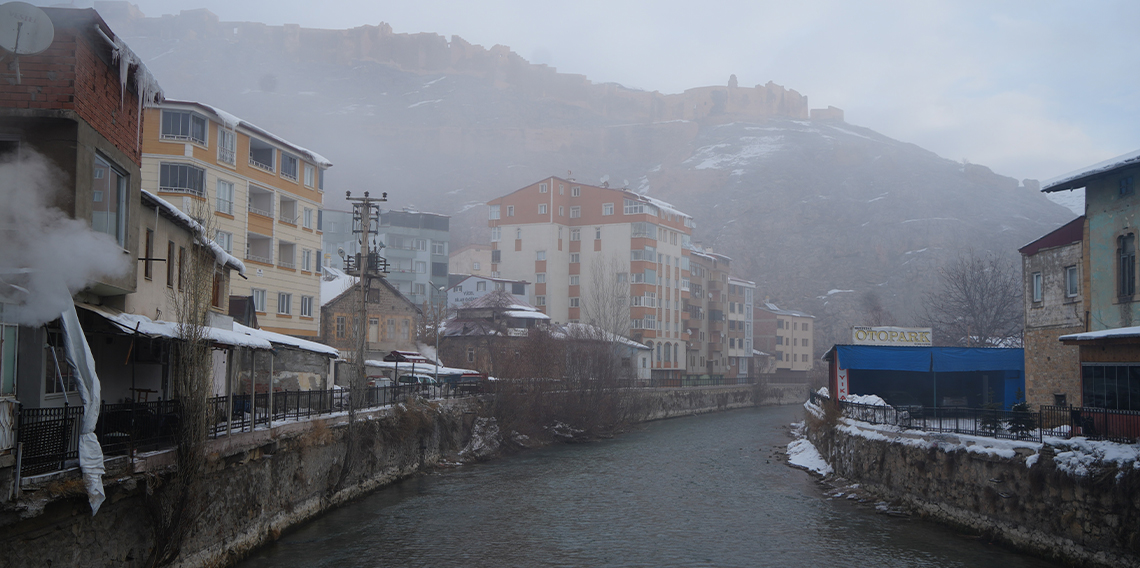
x: 1052, y: 269
x: 584, y: 246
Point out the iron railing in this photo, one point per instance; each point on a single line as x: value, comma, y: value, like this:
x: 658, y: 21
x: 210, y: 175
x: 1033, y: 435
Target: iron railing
x: 1051, y: 421
x: 49, y: 437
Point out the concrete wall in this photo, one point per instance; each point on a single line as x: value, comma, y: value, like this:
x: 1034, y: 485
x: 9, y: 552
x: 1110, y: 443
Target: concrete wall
x: 1089, y: 521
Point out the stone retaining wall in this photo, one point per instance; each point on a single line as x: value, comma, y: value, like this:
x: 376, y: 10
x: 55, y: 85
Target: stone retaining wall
x: 1023, y: 500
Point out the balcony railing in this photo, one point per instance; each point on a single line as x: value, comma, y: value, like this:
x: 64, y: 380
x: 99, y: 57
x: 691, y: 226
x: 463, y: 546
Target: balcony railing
x: 261, y: 166
x: 228, y: 156
x: 188, y: 190
x: 286, y: 264
x: 256, y: 258
x: 259, y: 211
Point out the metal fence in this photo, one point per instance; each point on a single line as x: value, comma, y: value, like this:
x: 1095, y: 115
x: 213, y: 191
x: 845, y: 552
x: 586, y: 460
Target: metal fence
x: 49, y: 437
x: 1056, y: 421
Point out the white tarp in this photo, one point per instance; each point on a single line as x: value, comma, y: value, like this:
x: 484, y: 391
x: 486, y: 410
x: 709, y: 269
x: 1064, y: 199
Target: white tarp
x: 90, y: 453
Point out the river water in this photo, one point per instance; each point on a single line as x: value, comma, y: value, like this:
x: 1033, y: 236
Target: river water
x: 698, y: 491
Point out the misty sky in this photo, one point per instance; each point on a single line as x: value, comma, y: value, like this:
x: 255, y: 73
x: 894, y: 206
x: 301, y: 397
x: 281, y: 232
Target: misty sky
x: 1033, y: 89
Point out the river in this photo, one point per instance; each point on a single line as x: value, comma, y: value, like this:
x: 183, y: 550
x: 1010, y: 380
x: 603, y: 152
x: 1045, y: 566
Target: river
x: 698, y: 491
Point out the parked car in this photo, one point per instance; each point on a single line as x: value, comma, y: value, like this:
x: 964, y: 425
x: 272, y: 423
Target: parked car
x: 424, y: 381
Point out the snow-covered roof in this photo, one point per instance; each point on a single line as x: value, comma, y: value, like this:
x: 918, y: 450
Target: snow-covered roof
x: 772, y: 308
x: 741, y: 282
x: 287, y: 340
x: 167, y: 329
x: 230, y: 121
x: 525, y: 314
x: 1116, y: 333
x: 585, y: 330
x: 198, y: 230
x: 426, y: 367
x: 1079, y: 178
x: 334, y: 282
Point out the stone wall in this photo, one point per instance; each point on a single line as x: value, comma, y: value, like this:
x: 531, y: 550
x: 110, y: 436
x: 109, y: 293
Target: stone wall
x: 1023, y: 501
x: 259, y: 484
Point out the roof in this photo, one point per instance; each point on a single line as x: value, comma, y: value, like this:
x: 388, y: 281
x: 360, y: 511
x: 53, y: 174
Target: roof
x: 288, y: 340
x: 770, y: 307
x: 587, y: 331
x: 170, y: 330
x: 1120, y: 333
x: 196, y: 228
x: 526, y: 314
x: 230, y: 121
x: 334, y: 282
x: 741, y: 282
x: 428, y: 367
x: 461, y: 278
x: 499, y: 299
x: 352, y: 286
x: 626, y: 193
x: 1069, y: 233
x: 927, y: 359
x: 1080, y: 178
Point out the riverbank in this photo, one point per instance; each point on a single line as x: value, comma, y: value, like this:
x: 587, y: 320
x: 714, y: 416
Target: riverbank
x: 1057, y: 499
x: 260, y: 484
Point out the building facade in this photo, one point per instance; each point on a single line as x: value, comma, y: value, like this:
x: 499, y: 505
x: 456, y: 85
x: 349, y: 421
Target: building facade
x: 739, y: 319
x: 391, y: 322
x: 469, y: 288
x: 260, y: 196
x: 1110, y: 348
x: 1053, y: 275
x: 788, y: 334
x: 416, y: 245
x: 599, y: 255
x: 471, y: 259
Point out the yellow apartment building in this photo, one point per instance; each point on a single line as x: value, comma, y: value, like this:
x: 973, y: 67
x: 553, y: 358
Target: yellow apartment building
x: 259, y: 195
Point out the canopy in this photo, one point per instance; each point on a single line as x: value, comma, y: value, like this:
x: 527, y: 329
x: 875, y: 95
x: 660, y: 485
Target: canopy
x: 927, y: 359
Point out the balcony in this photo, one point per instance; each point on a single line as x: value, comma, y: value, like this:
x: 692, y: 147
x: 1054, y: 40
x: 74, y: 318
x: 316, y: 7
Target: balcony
x: 261, y: 155
x: 715, y: 347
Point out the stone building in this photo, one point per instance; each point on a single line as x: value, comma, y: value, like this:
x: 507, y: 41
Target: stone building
x: 391, y: 326
x: 1052, y: 270
x: 1110, y: 348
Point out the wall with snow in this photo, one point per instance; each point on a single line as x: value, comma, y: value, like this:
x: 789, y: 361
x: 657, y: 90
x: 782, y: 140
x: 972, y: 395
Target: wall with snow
x: 1026, y: 495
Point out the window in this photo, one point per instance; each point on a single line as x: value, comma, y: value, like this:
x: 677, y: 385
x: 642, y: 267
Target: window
x: 470, y: 354
x: 561, y: 189
x: 307, y: 218
x: 518, y: 234
x: 575, y: 234
x: 607, y: 209
x: 1036, y: 286
x: 542, y: 209
x: 181, y: 178
x: 1126, y: 185
x: 56, y: 358
x: 284, y: 303
x: 306, y: 306
x: 496, y: 257
x: 1072, y: 282
x: 109, y: 200
x: 262, y: 155
x: 225, y: 197
x: 493, y: 213
x: 340, y: 327
x: 543, y: 188
x: 518, y: 288
x: 310, y: 172
x: 420, y: 288
x: 438, y: 247
x: 633, y: 207
x: 575, y: 258
x: 575, y: 191
x: 225, y: 240
x: 481, y: 286
x: 573, y: 302
x: 540, y: 300
x: 227, y: 147
x: 181, y: 125
x: 561, y: 211
x: 170, y: 264
x: 419, y: 244
x: 181, y: 265
x: 1126, y: 265
x: 540, y: 255
x: 574, y: 279
x: 540, y: 278
x: 420, y: 267
x: 258, y: 300
x: 597, y: 233
x: 148, y: 248
x: 575, y: 212
x: 306, y: 260
x: 474, y: 266
x: 496, y: 234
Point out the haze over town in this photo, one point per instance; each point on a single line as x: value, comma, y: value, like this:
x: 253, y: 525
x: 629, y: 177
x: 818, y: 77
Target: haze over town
x: 1029, y: 89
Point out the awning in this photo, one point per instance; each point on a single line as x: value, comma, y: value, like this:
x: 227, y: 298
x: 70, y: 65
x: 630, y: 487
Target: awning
x: 927, y: 359
x: 169, y: 330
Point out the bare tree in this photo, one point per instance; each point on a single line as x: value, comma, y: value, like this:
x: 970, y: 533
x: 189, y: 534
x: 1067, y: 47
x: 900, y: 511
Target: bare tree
x: 176, y: 505
x: 605, y: 296
x: 979, y: 302
x: 873, y: 308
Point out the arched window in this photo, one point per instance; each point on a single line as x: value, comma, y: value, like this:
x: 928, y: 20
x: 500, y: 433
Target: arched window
x: 668, y: 354
x: 658, y: 352
x: 676, y: 358
x: 1126, y: 265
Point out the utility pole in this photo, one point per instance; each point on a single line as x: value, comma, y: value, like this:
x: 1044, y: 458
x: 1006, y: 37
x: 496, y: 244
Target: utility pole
x: 367, y: 265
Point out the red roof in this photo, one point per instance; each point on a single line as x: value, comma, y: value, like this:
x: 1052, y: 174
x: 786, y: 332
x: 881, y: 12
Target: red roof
x: 1071, y: 232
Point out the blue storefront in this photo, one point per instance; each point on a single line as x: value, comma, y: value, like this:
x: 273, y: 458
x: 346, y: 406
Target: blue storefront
x: 928, y: 376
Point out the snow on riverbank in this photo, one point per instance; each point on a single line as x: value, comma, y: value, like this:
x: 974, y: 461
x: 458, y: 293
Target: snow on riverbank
x: 803, y: 454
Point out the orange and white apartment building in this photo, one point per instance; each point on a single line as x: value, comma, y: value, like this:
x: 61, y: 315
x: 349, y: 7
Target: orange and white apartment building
x: 260, y: 194
x: 561, y: 234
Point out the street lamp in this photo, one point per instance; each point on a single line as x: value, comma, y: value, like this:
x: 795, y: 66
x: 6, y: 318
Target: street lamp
x: 438, y: 322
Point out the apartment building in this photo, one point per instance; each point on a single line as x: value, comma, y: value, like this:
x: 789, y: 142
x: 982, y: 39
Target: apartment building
x: 466, y: 288
x: 707, y: 307
x: 739, y: 319
x: 471, y: 259
x: 786, y: 333
x: 260, y: 196
x: 583, y: 246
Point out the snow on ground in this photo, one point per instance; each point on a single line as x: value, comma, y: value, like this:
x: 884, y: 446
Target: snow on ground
x: 1081, y: 456
x: 414, y: 105
x: 801, y: 453
x: 719, y: 156
x: 868, y: 399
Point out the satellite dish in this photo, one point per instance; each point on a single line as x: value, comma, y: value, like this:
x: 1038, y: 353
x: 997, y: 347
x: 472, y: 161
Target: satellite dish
x: 25, y: 29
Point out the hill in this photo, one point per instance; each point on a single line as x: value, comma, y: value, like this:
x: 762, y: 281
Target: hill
x: 820, y: 213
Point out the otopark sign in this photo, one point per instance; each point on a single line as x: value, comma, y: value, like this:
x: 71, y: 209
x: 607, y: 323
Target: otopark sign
x: 897, y: 336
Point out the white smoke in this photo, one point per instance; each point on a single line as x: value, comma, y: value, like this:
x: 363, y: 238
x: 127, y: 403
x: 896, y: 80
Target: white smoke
x: 41, y: 247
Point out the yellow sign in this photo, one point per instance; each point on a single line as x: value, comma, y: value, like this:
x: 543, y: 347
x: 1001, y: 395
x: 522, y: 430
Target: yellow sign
x: 902, y: 336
